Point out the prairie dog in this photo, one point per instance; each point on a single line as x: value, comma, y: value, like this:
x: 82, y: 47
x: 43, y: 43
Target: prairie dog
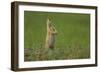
x: 51, y: 35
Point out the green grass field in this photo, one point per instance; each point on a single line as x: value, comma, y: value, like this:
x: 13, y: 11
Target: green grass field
x: 72, y: 40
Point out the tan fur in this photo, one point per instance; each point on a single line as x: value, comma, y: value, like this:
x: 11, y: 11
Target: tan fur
x: 50, y: 36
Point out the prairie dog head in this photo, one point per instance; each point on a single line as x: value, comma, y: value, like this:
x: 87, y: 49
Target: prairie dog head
x: 51, y: 27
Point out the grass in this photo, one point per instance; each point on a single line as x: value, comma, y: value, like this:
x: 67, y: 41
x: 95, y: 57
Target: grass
x: 72, y: 41
x: 39, y: 54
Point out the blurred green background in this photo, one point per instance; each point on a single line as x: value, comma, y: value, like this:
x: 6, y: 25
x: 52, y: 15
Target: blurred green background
x: 73, y: 34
